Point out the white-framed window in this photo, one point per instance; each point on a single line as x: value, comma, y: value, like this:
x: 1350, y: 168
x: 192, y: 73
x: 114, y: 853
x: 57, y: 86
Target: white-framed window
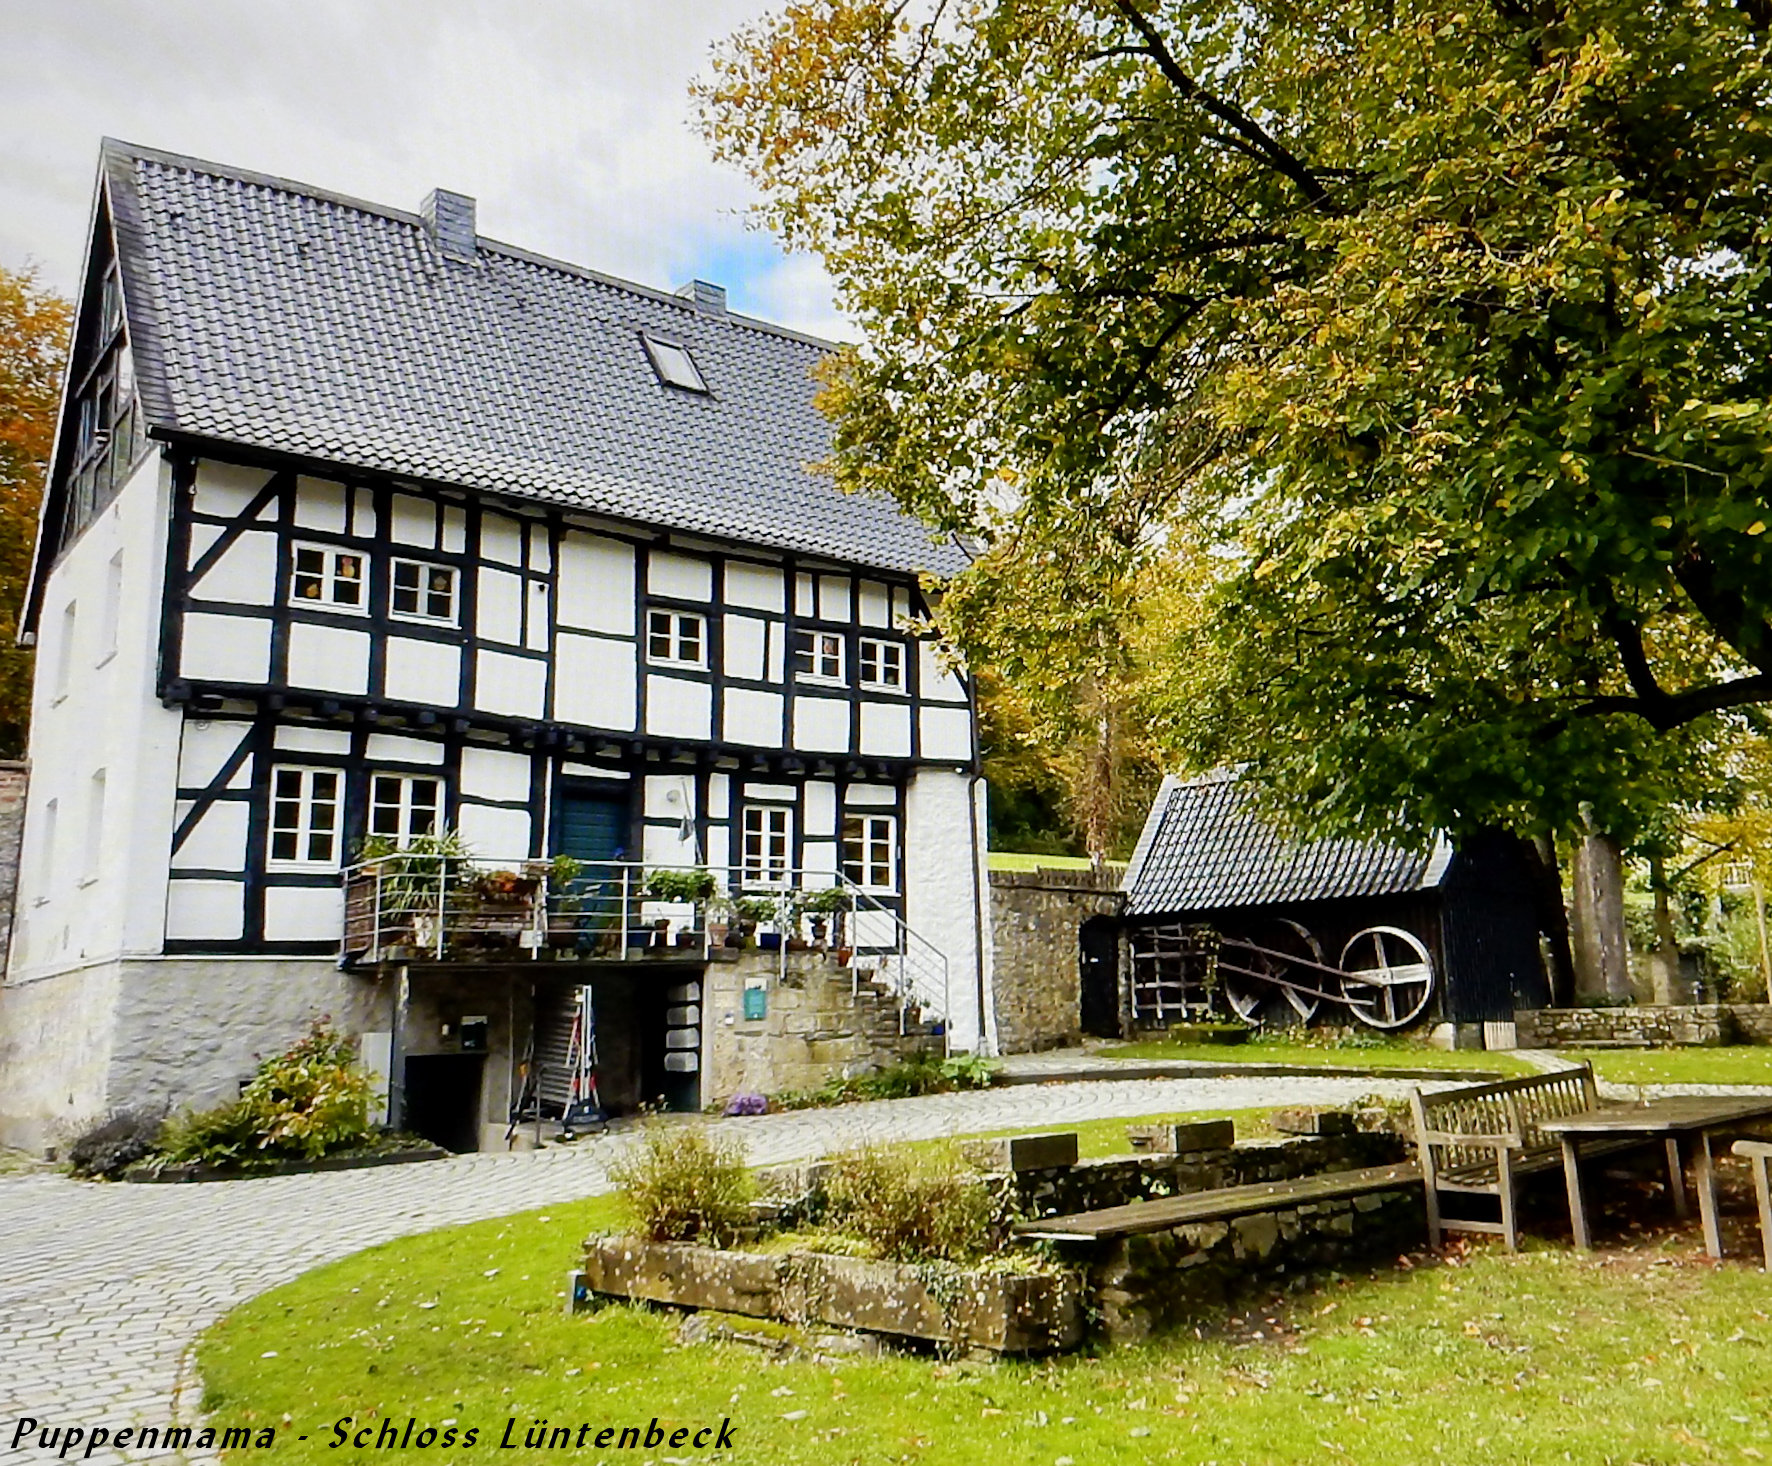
x: 766, y: 852
x: 404, y: 805
x: 679, y: 638
x: 422, y: 592
x: 870, y: 851
x: 818, y: 656
x: 881, y: 663
x: 306, y: 806
x: 330, y: 578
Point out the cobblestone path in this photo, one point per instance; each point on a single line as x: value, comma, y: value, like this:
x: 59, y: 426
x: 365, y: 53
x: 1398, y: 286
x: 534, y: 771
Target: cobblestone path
x: 104, y: 1289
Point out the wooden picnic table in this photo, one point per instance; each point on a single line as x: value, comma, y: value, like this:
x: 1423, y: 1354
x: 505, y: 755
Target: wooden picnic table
x: 1685, y: 1123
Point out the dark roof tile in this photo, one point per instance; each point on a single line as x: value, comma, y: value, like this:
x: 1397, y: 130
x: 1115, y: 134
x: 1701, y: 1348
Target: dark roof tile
x: 1205, y: 848
x: 278, y: 317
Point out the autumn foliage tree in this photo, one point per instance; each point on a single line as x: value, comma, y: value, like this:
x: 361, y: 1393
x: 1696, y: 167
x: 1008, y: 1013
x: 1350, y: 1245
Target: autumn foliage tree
x: 33, y: 342
x: 1441, y: 333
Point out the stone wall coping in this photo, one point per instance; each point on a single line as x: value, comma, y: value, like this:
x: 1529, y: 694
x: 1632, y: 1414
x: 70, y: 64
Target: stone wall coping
x: 1105, y: 881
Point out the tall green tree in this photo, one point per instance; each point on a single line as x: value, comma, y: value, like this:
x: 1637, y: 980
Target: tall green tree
x: 1443, y: 333
x: 33, y: 344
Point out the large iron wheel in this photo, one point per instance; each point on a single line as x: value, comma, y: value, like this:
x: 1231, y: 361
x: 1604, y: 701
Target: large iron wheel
x: 1259, y: 1002
x: 1390, y: 976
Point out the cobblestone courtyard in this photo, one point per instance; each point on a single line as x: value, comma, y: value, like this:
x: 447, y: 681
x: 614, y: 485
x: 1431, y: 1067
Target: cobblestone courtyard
x: 104, y: 1289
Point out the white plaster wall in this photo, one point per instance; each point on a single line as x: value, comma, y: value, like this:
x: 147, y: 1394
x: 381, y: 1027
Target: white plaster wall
x: 595, y: 589
x: 821, y: 724
x: 595, y: 682
x: 494, y: 773
x: 886, y: 729
x: 328, y: 658
x: 944, y: 879
x: 678, y: 708
x: 423, y: 671
x: 221, y: 648
x: 756, y: 586
x: 246, y: 573
x: 753, y: 717
x: 515, y: 686
x: 679, y: 576
x: 108, y: 718
x: 947, y: 733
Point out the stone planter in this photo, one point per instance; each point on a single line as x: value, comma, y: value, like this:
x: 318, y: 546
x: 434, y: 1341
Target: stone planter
x: 952, y: 1307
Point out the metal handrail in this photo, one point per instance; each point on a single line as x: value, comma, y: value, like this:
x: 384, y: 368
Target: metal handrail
x: 417, y: 902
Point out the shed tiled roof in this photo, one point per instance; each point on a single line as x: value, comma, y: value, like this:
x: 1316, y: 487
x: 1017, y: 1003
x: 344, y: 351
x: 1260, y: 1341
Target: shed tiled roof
x: 1205, y: 848
x: 281, y: 317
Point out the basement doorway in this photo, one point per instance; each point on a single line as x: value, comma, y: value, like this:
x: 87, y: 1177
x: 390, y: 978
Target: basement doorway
x: 443, y: 1099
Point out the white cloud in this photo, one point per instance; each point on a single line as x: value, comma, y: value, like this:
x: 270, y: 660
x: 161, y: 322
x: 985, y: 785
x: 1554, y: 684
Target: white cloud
x: 568, y: 120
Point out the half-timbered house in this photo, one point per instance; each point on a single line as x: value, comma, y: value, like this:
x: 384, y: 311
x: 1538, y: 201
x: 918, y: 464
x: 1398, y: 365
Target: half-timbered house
x: 363, y: 530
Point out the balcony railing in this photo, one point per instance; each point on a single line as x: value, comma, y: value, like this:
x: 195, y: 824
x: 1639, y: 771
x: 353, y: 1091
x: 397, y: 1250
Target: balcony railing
x: 411, y: 907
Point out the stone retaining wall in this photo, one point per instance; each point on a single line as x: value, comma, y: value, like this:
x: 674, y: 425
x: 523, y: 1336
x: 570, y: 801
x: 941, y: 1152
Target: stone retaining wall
x: 817, y: 1024
x: 1142, y: 1285
x: 1706, y: 1025
x: 1120, y: 1180
x: 1036, y: 918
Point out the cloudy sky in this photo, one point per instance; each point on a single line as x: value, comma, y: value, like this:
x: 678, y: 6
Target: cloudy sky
x: 567, y: 119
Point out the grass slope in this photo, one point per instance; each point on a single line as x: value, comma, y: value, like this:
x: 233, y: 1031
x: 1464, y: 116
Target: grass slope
x: 1648, y: 1355
x: 1736, y: 1064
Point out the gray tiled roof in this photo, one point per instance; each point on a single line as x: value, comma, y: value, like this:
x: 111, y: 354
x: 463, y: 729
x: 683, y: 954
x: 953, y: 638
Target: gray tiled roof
x: 1204, y: 848
x: 278, y: 316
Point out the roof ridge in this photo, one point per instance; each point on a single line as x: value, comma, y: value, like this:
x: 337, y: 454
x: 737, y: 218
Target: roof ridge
x: 119, y: 150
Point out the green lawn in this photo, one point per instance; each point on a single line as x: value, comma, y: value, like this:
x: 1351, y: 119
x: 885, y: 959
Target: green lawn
x: 1097, y: 1138
x: 1645, y: 1356
x: 1737, y: 1064
x: 1010, y: 860
x: 1392, y: 1054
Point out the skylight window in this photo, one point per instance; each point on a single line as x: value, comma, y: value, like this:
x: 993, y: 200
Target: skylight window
x: 674, y: 365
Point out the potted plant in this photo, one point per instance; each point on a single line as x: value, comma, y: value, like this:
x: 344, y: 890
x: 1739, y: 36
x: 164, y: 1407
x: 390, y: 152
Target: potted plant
x: 680, y: 885
x: 747, y: 911
x: 820, y: 907
x: 402, y: 890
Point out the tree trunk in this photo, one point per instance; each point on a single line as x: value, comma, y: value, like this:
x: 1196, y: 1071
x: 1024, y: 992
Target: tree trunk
x: 1553, y: 916
x: 1602, y: 960
x: 1669, y: 982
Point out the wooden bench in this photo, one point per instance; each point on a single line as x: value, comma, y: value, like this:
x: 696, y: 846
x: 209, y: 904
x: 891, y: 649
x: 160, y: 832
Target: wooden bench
x: 1758, y: 1152
x: 1223, y: 1205
x: 1484, y: 1139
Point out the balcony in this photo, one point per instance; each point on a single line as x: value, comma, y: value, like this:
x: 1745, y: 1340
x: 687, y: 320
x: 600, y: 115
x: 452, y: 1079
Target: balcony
x: 411, y: 907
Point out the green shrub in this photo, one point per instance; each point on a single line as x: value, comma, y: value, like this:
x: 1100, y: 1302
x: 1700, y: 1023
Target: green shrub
x: 682, y: 1185
x: 914, y: 1207
x: 312, y: 1098
x: 304, y: 1103
x: 969, y: 1071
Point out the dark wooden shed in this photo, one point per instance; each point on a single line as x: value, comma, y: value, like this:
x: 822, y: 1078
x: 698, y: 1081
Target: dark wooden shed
x: 1224, y: 913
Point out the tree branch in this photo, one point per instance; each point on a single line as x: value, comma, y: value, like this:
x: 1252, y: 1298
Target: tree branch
x: 1258, y: 139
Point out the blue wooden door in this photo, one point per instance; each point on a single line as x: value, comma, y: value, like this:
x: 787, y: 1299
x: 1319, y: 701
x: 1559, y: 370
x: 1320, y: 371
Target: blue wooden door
x: 591, y: 825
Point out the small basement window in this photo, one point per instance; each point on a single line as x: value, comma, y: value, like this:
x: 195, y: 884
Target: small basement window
x: 674, y: 365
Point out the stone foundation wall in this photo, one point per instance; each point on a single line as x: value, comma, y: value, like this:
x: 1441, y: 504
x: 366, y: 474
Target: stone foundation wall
x: 1035, y: 920
x: 1120, y: 1180
x: 1692, y: 1024
x: 1142, y: 1285
x: 815, y: 1026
